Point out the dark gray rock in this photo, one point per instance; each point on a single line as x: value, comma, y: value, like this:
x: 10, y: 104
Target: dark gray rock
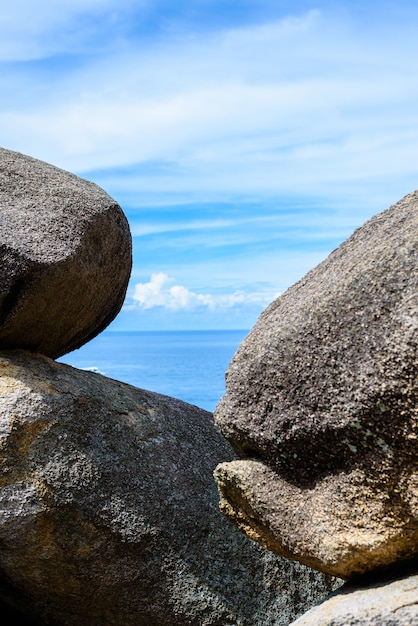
x: 383, y: 603
x: 109, y: 512
x: 322, y: 400
x: 65, y: 257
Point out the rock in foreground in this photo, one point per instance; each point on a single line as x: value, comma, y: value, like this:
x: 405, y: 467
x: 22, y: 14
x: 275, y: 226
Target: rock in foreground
x: 65, y: 257
x: 109, y: 512
x: 322, y: 405
x: 391, y: 603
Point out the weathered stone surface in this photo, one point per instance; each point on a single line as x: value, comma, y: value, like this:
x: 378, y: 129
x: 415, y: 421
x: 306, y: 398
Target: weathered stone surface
x: 65, y: 257
x: 322, y: 396
x: 109, y: 512
x: 393, y: 603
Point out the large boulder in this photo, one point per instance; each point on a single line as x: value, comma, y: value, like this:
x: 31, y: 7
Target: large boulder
x: 322, y: 406
x: 374, y: 603
x: 65, y: 257
x: 109, y: 512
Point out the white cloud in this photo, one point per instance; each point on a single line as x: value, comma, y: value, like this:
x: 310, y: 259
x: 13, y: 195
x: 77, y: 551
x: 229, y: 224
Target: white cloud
x: 161, y: 292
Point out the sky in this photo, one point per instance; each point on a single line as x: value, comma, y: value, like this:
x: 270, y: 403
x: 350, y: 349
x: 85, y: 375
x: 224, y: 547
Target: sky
x: 244, y: 140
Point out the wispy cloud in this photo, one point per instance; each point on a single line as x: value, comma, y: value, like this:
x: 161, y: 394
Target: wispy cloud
x: 140, y: 229
x: 247, y: 225
x: 35, y: 30
x: 303, y: 103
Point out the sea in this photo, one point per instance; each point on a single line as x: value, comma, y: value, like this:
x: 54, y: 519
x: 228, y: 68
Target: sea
x: 189, y: 365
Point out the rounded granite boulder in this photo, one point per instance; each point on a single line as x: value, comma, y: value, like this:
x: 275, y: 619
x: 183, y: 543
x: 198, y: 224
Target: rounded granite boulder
x: 109, y: 511
x: 322, y: 407
x: 65, y: 257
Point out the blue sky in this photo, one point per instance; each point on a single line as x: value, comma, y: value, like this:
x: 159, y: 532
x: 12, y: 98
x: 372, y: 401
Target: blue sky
x: 244, y: 140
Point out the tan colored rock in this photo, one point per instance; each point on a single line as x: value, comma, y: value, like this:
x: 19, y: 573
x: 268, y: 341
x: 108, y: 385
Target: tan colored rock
x: 319, y: 525
x: 322, y: 406
x: 65, y: 257
x: 109, y: 512
x: 382, y: 603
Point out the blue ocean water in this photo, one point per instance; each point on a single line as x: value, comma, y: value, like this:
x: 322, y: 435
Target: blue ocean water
x: 189, y: 365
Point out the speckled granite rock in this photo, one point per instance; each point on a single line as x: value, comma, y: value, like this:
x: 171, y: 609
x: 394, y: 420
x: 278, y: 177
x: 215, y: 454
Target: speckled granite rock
x: 109, y: 512
x: 65, y: 257
x: 383, y: 603
x: 322, y: 406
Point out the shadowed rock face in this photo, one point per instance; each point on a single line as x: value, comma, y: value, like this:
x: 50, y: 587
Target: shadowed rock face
x: 109, y: 512
x: 322, y: 402
x: 65, y: 257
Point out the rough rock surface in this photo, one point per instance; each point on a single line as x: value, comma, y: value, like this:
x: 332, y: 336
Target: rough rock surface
x: 65, y: 257
x: 322, y: 405
x: 386, y: 603
x: 109, y: 512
